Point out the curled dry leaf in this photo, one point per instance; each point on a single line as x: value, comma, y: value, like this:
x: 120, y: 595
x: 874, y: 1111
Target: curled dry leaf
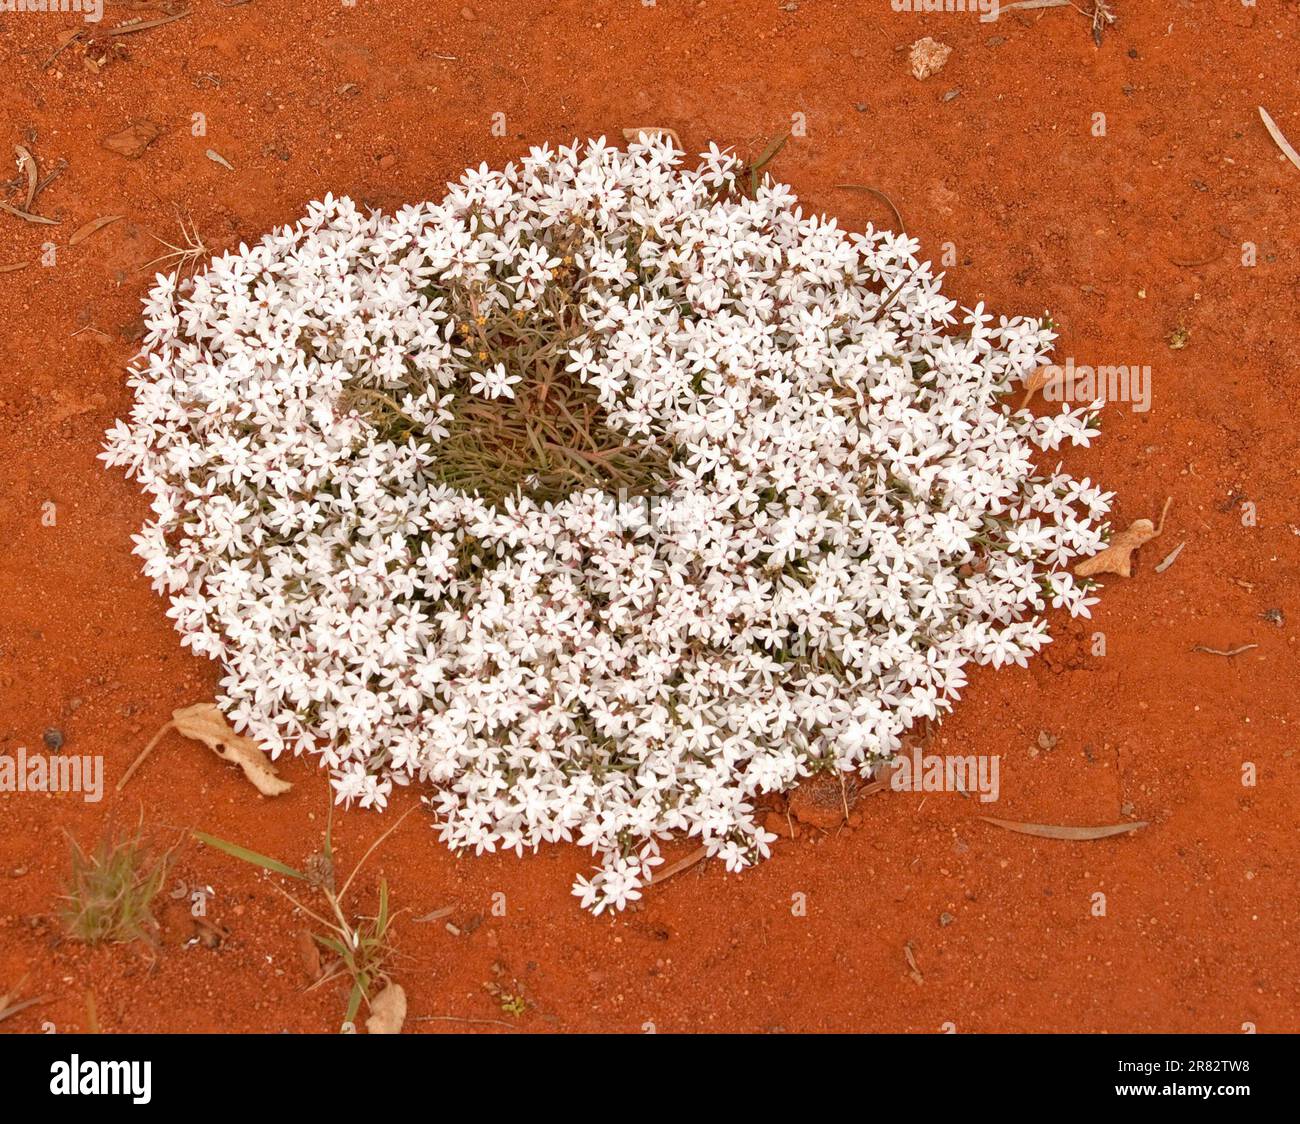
x: 84, y: 232
x: 698, y: 855
x: 217, y: 158
x: 1278, y: 138
x: 204, y: 722
x: 650, y: 131
x: 27, y: 165
x: 388, y: 1011
x: 10, y: 1006
x: 1170, y: 558
x: 1053, y: 831
x: 1117, y: 558
x: 309, y: 954
x: 913, y: 968
x: 26, y: 217
x: 1037, y: 379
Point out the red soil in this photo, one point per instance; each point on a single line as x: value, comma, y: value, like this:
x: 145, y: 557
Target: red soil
x: 1200, y: 931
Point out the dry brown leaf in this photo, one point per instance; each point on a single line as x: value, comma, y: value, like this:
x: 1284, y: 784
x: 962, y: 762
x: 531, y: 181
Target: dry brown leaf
x: 8, y: 1009
x: 1117, y: 558
x: 25, y: 216
x: 676, y: 868
x: 130, y: 27
x: 1053, y: 831
x: 388, y: 1011
x: 1170, y: 558
x: 133, y: 140
x: 309, y: 954
x: 650, y: 130
x: 913, y: 968
x: 27, y: 165
x: 204, y: 722
x: 84, y: 232
x: 1038, y: 378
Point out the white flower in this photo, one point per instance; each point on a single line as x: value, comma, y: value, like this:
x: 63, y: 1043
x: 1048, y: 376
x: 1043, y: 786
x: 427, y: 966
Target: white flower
x: 494, y: 382
x: 849, y: 512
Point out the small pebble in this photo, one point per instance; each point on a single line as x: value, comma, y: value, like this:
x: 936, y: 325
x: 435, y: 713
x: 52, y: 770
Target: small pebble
x: 53, y: 739
x: 946, y: 919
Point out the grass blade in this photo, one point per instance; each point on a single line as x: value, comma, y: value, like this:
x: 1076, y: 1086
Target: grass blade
x: 264, y: 861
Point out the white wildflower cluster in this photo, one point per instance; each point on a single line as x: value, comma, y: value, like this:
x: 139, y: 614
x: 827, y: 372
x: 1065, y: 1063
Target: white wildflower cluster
x: 848, y: 510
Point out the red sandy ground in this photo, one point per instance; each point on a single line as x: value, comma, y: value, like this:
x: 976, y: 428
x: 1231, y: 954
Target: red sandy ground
x: 1200, y: 929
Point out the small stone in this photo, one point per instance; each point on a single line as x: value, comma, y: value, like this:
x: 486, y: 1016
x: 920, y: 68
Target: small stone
x: 946, y: 919
x: 388, y: 162
x: 1047, y: 740
x: 53, y: 739
x: 467, y: 13
x: 861, y: 106
x: 1274, y: 616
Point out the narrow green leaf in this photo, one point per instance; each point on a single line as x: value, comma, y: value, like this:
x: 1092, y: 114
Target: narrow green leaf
x: 264, y: 861
x: 354, y: 1003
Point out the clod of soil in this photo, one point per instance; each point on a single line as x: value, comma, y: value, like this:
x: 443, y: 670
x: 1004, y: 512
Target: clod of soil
x: 819, y: 802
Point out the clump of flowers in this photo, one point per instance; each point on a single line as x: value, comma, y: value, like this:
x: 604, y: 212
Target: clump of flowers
x: 602, y: 497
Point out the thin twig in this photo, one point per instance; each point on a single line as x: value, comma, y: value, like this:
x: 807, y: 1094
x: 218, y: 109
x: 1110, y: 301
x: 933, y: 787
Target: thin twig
x: 460, y: 1019
x: 22, y: 1005
x: 1221, y: 652
x: 130, y: 769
